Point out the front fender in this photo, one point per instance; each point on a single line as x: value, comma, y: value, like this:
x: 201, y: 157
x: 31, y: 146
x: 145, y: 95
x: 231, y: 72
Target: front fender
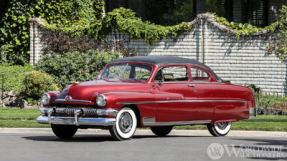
x: 145, y: 101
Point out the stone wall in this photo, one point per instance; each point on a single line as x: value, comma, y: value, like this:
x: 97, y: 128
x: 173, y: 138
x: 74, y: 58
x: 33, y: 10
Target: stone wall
x: 241, y: 62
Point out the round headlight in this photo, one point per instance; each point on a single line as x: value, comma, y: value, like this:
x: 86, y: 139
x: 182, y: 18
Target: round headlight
x: 101, y: 100
x: 45, y: 99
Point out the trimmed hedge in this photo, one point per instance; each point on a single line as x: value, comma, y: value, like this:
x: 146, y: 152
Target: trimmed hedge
x: 76, y: 66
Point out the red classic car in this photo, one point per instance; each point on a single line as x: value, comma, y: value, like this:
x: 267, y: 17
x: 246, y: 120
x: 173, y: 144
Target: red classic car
x: 148, y: 91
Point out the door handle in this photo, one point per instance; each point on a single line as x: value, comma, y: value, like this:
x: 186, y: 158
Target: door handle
x: 191, y: 85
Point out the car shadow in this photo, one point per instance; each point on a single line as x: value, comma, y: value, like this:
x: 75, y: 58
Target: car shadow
x: 262, y: 142
x: 95, y: 138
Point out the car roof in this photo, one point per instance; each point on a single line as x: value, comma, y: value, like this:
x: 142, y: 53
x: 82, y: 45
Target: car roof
x: 163, y: 60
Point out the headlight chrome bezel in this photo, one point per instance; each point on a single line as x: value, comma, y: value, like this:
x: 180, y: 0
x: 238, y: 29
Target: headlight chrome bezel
x: 104, y: 99
x: 47, y: 96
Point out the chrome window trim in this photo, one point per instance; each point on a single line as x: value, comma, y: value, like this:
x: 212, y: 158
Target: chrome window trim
x: 204, y: 71
x: 147, y: 122
x: 186, y: 67
x: 178, y: 101
x: 123, y: 71
x: 129, y: 64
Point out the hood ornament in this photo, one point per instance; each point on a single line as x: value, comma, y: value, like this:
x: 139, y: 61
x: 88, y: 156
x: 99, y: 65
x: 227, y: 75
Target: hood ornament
x: 76, y: 83
x: 68, y: 98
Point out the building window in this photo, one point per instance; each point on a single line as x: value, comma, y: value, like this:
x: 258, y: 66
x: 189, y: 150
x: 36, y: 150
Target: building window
x: 110, y: 5
x: 255, y: 12
x: 160, y: 12
x: 223, y: 8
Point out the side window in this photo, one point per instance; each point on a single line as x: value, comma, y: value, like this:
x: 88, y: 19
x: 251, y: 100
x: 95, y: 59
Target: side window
x: 172, y: 73
x: 199, y: 74
x: 113, y: 72
x: 142, y: 73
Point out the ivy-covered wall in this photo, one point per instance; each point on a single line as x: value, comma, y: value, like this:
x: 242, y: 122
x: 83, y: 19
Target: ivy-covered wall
x: 241, y: 60
x: 14, y: 25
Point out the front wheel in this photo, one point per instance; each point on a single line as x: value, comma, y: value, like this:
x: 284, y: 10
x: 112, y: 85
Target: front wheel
x: 161, y: 131
x: 125, y: 126
x: 64, y: 131
x: 219, y: 129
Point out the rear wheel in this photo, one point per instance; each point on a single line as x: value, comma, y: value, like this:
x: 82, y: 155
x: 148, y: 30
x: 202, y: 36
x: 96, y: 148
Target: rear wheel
x: 125, y: 125
x: 161, y: 131
x: 219, y: 129
x: 64, y: 131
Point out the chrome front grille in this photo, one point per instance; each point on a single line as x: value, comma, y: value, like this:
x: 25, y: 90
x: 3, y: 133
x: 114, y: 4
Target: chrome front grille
x: 71, y: 110
x: 84, y: 111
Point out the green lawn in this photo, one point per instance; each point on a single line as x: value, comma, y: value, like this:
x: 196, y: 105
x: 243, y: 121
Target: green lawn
x: 25, y: 118
x: 20, y: 118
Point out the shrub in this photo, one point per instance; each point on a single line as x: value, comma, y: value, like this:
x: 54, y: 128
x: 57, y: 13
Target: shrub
x: 282, y: 106
x: 265, y: 100
x: 36, y: 83
x: 75, y: 66
x: 13, y: 76
x: 14, y: 25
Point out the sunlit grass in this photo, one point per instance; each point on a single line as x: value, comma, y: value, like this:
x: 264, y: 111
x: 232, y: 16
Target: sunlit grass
x: 25, y: 118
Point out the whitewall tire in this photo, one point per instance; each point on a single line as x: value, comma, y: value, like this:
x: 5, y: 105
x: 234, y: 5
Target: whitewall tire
x: 219, y: 129
x: 125, y: 126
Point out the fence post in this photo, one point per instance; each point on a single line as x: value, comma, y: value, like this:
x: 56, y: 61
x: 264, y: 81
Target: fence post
x: 2, y: 86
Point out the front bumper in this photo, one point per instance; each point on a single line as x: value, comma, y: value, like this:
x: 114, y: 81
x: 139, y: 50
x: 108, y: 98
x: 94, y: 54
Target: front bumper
x: 77, y: 116
x: 61, y: 120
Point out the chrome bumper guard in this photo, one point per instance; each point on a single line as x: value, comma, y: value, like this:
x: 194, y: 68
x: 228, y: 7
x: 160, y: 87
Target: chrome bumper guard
x: 77, y: 119
x: 252, y: 112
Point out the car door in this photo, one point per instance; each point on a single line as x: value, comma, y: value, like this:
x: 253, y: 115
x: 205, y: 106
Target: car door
x: 208, y: 92
x: 175, y: 101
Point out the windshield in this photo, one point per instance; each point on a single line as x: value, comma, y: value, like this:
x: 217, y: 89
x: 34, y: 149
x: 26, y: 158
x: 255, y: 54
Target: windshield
x: 127, y: 71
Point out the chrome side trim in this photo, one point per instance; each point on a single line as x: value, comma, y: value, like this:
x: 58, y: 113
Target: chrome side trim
x: 58, y: 120
x: 63, y: 100
x: 175, y: 123
x: 60, y: 100
x: 178, y: 101
x: 148, y: 119
x: 143, y: 102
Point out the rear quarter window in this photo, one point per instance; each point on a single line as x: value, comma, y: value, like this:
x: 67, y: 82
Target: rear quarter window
x: 199, y: 74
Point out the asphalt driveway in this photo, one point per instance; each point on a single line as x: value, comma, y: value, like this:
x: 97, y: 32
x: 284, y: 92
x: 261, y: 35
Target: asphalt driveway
x: 41, y: 144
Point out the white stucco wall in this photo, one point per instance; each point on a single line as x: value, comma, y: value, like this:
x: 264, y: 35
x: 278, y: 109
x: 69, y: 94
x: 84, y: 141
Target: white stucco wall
x: 242, y: 62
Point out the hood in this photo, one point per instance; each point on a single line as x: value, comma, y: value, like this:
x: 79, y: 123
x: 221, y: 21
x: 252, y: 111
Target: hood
x: 88, y: 91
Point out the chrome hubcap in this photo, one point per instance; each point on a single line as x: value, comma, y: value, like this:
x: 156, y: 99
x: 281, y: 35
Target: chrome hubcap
x: 222, y: 125
x: 125, y: 122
